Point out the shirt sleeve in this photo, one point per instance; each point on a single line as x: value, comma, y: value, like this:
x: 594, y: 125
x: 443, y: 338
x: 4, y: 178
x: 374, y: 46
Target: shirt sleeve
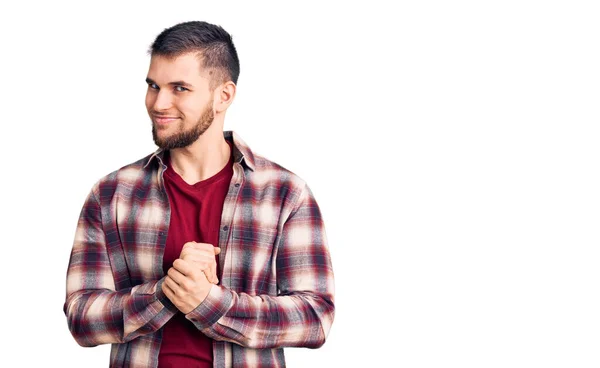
x: 96, y: 312
x: 302, y: 313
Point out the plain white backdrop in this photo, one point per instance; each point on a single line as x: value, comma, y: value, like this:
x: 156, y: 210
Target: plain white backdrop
x: 453, y: 148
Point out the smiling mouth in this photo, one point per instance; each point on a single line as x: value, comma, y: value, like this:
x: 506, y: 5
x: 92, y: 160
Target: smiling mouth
x: 164, y: 120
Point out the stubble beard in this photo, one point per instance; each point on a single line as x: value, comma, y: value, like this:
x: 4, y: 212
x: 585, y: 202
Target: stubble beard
x: 184, y: 138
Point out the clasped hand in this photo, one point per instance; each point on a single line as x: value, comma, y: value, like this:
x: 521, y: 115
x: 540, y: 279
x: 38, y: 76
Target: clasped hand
x: 190, y: 279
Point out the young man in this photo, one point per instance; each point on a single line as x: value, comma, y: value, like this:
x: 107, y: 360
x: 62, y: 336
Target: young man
x: 202, y: 254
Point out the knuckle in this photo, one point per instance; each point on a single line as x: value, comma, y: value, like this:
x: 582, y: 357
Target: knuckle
x: 205, y: 246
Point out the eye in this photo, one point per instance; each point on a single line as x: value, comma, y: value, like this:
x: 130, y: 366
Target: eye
x: 152, y: 85
x: 181, y: 89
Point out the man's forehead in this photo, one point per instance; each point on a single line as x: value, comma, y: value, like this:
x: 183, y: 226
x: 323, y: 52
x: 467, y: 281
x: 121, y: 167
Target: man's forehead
x: 186, y: 66
x: 191, y: 56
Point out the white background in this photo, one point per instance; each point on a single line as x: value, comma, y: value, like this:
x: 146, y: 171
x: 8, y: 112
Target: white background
x: 453, y: 148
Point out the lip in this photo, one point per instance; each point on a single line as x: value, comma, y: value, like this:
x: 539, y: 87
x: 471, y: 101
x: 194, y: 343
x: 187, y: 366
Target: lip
x: 164, y: 119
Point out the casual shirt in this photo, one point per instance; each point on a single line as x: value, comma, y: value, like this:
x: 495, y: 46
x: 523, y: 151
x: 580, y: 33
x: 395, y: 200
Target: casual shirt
x: 276, y: 287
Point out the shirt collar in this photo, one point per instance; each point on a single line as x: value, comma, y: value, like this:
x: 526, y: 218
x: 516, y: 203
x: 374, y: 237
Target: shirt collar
x: 241, y: 152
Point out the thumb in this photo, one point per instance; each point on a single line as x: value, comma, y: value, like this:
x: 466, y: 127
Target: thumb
x: 217, y: 250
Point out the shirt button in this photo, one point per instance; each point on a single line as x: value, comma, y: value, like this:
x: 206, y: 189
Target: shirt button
x: 225, y: 228
x: 237, y: 185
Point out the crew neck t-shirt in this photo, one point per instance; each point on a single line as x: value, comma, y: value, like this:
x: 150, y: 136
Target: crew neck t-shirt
x: 195, y: 216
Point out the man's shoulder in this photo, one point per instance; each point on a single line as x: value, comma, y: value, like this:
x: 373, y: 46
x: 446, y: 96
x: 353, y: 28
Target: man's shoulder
x: 268, y: 172
x: 127, y: 175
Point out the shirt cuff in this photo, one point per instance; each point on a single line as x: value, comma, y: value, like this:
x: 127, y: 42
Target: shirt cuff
x: 212, y: 308
x: 162, y: 298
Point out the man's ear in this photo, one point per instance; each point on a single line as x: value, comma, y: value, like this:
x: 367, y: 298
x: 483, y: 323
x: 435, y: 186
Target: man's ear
x: 224, y: 95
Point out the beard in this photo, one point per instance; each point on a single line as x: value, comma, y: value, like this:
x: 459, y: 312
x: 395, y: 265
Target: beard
x: 184, y: 138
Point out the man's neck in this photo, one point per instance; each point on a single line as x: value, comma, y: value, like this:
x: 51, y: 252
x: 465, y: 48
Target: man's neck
x: 202, y: 159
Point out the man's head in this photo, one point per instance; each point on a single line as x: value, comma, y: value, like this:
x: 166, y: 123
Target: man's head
x: 192, y: 78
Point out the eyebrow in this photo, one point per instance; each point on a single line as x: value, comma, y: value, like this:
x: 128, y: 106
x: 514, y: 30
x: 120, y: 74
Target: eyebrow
x: 175, y: 83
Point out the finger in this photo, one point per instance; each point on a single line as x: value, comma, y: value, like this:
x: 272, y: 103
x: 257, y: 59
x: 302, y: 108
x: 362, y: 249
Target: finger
x: 206, y: 269
x: 208, y: 276
x: 198, y: 251
x: 188, y: 248
x: 167, y: 289
x: 176, y: 276
x: 171, y: 283
x: 217, y: 250
x: 190, y: 253
x: 203, y: 246
x: 208, y: 266
x: 198, y: 257
x: 189, y: 245
x: 196, y: 260
x: 211, y: 275
x: 185, y: 267
x: 213, y: 271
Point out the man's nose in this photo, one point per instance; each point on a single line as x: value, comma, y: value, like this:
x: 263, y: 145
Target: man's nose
x: 163, y: 101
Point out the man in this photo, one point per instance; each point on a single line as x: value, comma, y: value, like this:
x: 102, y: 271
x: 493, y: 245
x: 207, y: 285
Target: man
x: 204, y: 253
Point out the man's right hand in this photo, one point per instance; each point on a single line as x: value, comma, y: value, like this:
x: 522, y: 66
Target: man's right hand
x: 203, y: 257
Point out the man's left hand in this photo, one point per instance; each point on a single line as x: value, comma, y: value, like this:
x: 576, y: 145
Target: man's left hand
x: 185, y: 286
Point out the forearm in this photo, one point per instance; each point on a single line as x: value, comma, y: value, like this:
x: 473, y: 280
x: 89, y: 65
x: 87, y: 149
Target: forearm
x: 300, y: 320
x: 102, y: 316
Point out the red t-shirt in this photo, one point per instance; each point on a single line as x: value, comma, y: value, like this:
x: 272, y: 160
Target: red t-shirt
x: 195, y: 216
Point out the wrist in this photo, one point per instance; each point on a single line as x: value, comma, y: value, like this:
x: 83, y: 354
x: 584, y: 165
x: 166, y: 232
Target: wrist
x: 201, y: 297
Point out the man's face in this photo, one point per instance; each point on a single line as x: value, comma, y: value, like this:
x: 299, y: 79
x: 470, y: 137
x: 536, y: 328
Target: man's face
x: 178, y: 100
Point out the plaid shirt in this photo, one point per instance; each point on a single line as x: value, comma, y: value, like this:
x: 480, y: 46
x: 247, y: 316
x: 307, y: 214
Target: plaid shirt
x: 276, y: 287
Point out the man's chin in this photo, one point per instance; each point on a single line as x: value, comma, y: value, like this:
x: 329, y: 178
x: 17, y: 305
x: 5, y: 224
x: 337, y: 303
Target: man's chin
x: 158, y: 127
x: 161, y: 142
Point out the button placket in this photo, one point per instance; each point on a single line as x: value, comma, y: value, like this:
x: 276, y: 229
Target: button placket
x: 226, y: 229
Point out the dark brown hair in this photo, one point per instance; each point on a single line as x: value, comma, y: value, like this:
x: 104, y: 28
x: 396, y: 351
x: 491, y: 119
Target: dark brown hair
x: 214, y: 45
